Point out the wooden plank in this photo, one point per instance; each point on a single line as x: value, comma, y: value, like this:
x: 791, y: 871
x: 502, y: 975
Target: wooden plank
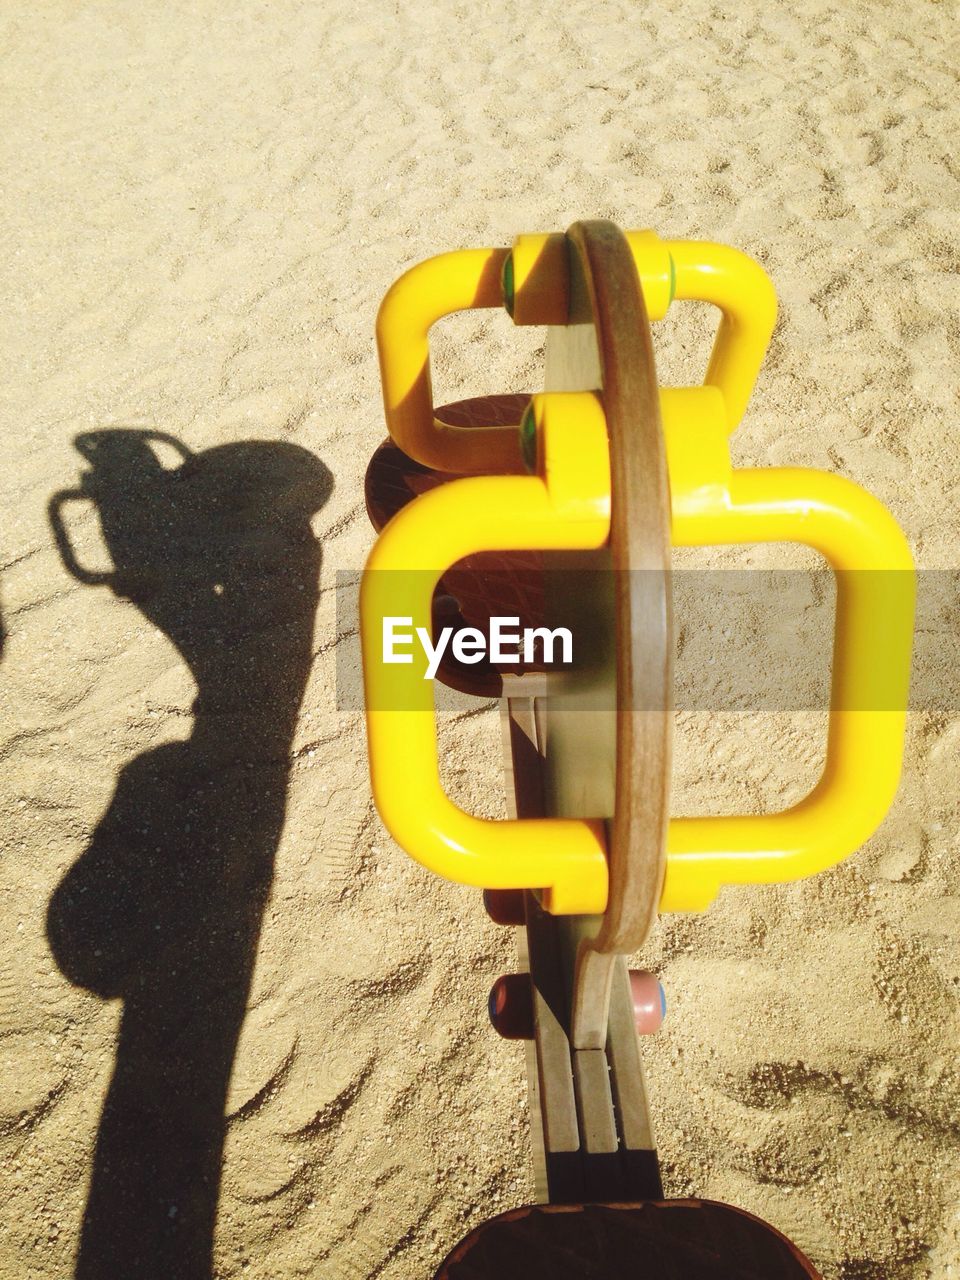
x: 591, y: 995
x: 538, y: 1151
x: 607, y: 730
x: 600, y: 1144
x: 555, y: 1072
x: 554, y: 1124
x: 614, y: 762
x: 598, y: 1128
x: 626, y: 1065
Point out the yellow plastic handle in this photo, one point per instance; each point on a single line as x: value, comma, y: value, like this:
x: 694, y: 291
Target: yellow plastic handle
x: 565, y: 507
x: 699, y: 271
x: 531, y: 279
x: 873, y: 639
x: 458, y: 281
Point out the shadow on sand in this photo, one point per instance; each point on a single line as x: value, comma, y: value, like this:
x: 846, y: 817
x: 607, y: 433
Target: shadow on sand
x: 163, y: 909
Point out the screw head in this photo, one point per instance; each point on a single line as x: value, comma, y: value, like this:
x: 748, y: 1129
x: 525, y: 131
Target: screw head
x: 508, y: 284
x: 528, y: 438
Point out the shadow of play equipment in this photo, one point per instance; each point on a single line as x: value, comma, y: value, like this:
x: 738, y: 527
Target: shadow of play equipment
x: 163, y: 908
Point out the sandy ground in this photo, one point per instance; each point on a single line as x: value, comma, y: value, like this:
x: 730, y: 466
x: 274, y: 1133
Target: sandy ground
x: 203, y: 205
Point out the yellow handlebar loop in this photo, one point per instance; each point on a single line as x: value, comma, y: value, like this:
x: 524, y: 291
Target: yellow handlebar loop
x: 741, y: 289
x: 532, y: 278
x: 870, y: 680
x: 459, y: 281
x: 565, y: 507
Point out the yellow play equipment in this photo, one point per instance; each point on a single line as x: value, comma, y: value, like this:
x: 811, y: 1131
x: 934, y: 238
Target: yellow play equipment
x: 566, y: 504
x: 544, y: 484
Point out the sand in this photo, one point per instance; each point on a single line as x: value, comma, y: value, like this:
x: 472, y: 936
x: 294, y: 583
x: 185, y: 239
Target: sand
x: 203, y: 205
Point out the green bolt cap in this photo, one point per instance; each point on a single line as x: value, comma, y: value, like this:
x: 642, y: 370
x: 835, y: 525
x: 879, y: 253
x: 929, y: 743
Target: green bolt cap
x: 508, y: 284
x: 528, y: 438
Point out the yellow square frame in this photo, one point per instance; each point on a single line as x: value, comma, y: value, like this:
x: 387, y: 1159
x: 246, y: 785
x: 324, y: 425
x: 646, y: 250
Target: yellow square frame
x: 567, y: 506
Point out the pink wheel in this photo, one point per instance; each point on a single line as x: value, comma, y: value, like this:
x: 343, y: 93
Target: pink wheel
x: 649, y: 1001
x: 505, y: 906
x: 510, y: 1006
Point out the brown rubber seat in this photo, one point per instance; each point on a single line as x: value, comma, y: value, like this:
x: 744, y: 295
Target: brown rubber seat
x: 655, y: 1240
